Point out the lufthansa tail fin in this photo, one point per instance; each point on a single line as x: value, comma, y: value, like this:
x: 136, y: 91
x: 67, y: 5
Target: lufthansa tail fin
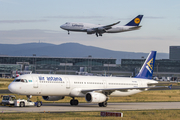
x: 136, y: 21
x: 146, y: 71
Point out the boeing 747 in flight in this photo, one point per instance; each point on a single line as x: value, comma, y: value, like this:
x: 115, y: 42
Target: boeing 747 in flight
x: 94, y: 89
x: 100, y: 29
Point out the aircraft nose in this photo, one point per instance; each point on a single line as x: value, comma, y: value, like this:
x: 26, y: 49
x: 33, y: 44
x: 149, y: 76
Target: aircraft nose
x: 12, y: 88
x: 61, y: 26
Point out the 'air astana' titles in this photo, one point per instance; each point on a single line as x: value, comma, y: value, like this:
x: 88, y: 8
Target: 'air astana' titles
x: 50, y: 78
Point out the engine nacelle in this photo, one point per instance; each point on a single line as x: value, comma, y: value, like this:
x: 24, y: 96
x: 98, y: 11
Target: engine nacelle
x: 90, y: 31
x: 94, y: 97
x: 52, y: 98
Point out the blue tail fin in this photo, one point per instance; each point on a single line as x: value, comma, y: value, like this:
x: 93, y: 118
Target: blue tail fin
x: 148, y: 66
x: 136, y: 21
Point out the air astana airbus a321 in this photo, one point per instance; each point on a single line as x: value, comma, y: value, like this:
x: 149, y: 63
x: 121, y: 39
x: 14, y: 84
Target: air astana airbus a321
x: 95, y: 89
x: 100, y: 29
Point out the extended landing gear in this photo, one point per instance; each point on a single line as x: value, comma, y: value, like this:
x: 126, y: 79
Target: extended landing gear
x: 103, y: 104
x: 74, y: 102
x: 98, y: 34
x: 68, y: 32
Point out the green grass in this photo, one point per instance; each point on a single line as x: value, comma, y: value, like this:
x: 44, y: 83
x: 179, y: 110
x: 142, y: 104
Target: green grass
x: 4, y: 82
x: 127, y: 115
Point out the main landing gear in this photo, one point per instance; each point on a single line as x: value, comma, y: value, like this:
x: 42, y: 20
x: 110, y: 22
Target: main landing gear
x: 74, y: 102
x: 68, y: 32
x: 103, y: 104
x: 99, y: 34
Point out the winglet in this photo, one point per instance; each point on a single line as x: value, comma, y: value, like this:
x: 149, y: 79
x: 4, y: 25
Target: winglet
x: 170, y: 86
x: 136, y: 21
x: 146, y: 71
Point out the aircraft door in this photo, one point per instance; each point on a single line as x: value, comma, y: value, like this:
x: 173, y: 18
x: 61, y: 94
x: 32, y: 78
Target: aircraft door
x: 35, y: 82
x: 104, y: 84
x: 67, y: 83
x: 141, y: 83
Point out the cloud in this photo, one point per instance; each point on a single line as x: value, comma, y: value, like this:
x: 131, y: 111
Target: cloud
x: 21, y: 21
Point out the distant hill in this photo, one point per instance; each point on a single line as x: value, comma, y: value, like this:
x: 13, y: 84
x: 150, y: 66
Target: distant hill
x: 69, y: 50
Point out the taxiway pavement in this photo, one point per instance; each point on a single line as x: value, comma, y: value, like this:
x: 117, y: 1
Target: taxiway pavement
x: 66, y: 107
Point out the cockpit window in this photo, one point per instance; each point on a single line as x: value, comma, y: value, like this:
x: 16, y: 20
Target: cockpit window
x: 67, y: 23
x: 20, y: 80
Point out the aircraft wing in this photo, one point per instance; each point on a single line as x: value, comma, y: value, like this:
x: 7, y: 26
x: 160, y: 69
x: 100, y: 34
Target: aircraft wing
x: 109, y: 26
x: 122, y: 89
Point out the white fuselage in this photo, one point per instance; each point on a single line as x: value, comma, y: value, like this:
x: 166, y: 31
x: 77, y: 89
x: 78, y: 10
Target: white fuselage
x: 71, y: 85
x: 83, y: 27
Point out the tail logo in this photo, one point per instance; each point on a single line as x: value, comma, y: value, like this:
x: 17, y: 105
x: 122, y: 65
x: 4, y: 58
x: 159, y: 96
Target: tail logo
x: 137, y: 20
x: 150, y: 65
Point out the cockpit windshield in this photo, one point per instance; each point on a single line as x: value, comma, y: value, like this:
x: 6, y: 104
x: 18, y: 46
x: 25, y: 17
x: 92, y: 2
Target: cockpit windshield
x: 20, y: 80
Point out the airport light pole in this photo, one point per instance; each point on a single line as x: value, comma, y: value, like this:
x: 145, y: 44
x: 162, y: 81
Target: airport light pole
x: 65, y: 66
x: 34, y: 62
x: 157, y: 69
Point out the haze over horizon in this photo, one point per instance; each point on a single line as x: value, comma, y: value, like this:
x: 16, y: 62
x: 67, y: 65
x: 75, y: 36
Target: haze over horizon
x: 33, y: 21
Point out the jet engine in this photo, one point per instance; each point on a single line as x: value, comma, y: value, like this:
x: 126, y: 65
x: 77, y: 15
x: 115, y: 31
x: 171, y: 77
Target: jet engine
x: 90, y: 31
x: 52, y: 98
x: 95, y: 97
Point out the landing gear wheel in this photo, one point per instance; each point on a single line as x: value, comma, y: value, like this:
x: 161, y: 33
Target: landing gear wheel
x: 97, y: 34
x: 21, y: 104
x: 100, y: 104
x: 68, y: 33
x: 103, y: 104
x: 38, y: 104
x: 74, y: 102
x: 71, y: 102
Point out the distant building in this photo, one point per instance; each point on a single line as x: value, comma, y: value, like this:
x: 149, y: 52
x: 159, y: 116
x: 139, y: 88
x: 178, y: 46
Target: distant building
x: 9, y: 64
x: 174, y: 52
x: 162, y: 67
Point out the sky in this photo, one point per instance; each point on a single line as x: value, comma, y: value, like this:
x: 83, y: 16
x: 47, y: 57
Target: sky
x: 27, y: 21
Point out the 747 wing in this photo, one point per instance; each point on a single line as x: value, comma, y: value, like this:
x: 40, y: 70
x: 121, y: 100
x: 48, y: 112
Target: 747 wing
x: 100, y: 30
